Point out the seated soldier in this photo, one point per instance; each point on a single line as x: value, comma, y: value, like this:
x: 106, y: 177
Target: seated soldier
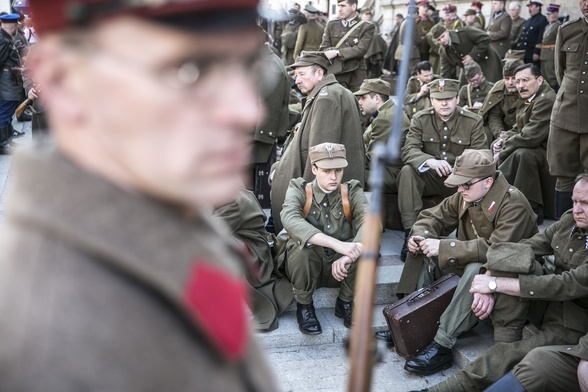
x: 522, y: 151
x: 324, y: 220
x: 553, y: 296
x: 485, y: 210
x: 435, y: 137
x: 373, y: 97
x: 417, y: 89
x: 472, y: 95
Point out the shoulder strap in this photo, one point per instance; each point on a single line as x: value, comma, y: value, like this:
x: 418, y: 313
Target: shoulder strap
x: 308, y: 202
x: 351, y: 30
x: 469, y: 89
x: 345, y: 202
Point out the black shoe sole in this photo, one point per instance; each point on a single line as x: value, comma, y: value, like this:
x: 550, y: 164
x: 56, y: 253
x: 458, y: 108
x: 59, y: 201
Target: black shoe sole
x: 306, y: 332
x: 428, y: 372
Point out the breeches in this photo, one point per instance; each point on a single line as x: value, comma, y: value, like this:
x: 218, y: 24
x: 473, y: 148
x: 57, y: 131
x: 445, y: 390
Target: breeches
x: 567, y: 154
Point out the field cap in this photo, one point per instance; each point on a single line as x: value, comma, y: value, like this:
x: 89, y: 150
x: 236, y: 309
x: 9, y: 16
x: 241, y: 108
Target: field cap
x: 328, y: 156
x: 374, y: 86
x: 443, y: 88
x: 311, y: 58
x: 437, y: 30
x: 470, y: 11
x: 196, y: 15
x: 515, y: 54
x: 471, y: 164
x: 472, y: 69
x: 510, y: 65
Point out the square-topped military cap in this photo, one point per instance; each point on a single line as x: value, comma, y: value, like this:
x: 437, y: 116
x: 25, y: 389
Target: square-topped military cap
x: 551, y: 8
x: 311, y: 58
x: 374, y: 86
x: 328, y: 156
x: 443, y: 88
x: 471, y: 164
x: 196, y: 15
x: 449, y: 8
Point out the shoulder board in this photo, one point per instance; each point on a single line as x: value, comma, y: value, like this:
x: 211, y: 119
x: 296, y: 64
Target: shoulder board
x: 570, y: 22
x: 324, y: 92
x: 466, y: 113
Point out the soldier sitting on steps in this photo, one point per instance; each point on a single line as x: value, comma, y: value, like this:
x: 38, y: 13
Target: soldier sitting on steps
x: 324, y: 220
x: 485, y: 210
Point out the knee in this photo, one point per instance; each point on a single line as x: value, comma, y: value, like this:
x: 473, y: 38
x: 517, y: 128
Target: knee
x: 534, y: 370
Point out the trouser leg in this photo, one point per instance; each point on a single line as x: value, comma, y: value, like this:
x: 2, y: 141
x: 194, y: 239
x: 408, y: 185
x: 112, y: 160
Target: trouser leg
x: 459, y: 317
x: 304, y: 269
x: 502, y: 357
x: 546, y: 369
x: 346, y: 286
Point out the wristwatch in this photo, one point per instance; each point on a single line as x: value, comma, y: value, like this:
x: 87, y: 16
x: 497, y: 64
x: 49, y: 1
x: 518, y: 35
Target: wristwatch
x: 492, y: 285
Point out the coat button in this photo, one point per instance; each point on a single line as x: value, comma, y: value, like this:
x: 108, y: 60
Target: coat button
x: 452, y: 244
x: 531, y: 293
x: 571, y: 250
x: 325, y: 204
x: 452, y: 262
x: 431, y: 139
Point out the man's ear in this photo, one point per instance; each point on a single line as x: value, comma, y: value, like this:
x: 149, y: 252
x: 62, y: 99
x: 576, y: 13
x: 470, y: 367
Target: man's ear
x: 314, y: 169
x: 49, y: 63
x: 457, y: 96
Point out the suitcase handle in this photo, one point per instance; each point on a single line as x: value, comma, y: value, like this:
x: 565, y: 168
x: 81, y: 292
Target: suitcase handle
x: 420, y: 294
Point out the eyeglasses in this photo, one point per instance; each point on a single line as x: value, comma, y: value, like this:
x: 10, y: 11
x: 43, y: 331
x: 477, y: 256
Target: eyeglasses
x: 524, y: 80
x: 468, y: 185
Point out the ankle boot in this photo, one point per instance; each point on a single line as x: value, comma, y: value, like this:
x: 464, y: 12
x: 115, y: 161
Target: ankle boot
x: 563, y: 202
x: 5, y: 137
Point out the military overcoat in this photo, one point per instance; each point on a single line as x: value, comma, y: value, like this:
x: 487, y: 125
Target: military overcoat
x: 310, y: 36
x: 271, y: 292
x: 412, y: 105
x: 503, y: 215
x: 547, y: 56
x: 499, y: 32
x: 11, y: 85
x: 330, y: 114
x: 109, y: 289
x: 473, y: 42
x: 500, y: 109
x: 531, y: 35
x: 515, y: 32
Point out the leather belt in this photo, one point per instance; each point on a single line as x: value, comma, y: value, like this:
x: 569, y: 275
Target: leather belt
x: 541, y: 46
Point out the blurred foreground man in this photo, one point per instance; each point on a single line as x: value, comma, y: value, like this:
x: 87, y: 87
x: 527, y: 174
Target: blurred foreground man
x: 114, y: 276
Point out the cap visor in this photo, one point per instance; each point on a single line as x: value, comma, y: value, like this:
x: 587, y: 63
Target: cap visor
x: 443, y: 95
x: 455, y: 180
x: 300, y: 63
x: 335, y: 163
x: 361, y: 92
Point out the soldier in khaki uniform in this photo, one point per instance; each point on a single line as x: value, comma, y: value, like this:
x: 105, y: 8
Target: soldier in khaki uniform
x: 423, y: 24
x: 374, y: 101
x: 500, y: 107
x: 514, y: 10
x: 289, y: 37
x: 547, y: 46
x: 499, y: 28
x: 416, y: 97
x: 458, y: 48
x: 558, y: 300
x: 324, y: 234
x: 115, y: 276
x: 435, y: 138
x: 521, y: 151
x: 310, y: 34
x: 473, y: 94
x: 351, y: 50
x: 477, y: 6
x: 566, y: 149
x: 485, y: 210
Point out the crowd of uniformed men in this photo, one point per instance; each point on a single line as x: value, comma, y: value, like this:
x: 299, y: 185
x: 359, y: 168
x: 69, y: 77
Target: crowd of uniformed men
x: 491, y: 125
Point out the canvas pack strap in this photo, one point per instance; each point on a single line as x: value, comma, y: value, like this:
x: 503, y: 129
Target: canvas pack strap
x: 355, y: 26
x: 469, y: 88
x: 344, y: 202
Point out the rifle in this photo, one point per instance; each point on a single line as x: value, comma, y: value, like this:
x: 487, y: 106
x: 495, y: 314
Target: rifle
x: 21, y: 108
x: 362, y: 345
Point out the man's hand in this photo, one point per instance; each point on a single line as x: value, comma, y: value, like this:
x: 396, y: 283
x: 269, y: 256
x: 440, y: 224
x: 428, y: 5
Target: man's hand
x: 441, y: 167
x: 477, y: 105
x: 482, y: 305
x: 331, y: 54
x: 465, y: 60
x: 430, y: 247
x: 340, y: 267
x: 480, y: 284
x: 32, y: 95
x: 413, y: 244
x: 497, y: 146
x: 424, y: 91
x: 350, y: 249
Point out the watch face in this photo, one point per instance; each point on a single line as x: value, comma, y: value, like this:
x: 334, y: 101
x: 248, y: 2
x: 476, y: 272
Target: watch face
x: 492, y: 284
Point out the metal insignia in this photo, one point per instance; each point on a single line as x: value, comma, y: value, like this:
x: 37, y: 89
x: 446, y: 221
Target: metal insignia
x: 329, y: 148
x: 441, y: 85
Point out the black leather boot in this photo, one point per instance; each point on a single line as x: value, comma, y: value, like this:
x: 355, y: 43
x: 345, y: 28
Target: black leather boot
x: 432, y: 359
x: 6, y: 146
x: 343, y: 309
x: 307, y: 321
x: 385, y: 336
x: 404, y: 251
x: 508, y: 382
x: 563, y: 202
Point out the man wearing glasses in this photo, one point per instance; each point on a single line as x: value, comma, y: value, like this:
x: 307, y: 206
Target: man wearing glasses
x: 522, y: 151
x: 114, y: 275
x: 485, y: 210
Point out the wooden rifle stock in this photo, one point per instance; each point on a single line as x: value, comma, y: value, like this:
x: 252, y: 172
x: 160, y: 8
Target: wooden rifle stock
x: 362, y: 345
x: 21, y: 108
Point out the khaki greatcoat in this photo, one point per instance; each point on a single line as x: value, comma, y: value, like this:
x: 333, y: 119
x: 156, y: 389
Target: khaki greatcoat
x: 330, y: 114
x: 547, y: 56
x: 499, y: 32
x: 106, y: 289
x: 310, y: 36
x: 500, y: 109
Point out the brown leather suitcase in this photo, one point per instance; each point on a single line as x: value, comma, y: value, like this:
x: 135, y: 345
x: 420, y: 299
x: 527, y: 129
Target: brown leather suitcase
x: 413, y: 320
